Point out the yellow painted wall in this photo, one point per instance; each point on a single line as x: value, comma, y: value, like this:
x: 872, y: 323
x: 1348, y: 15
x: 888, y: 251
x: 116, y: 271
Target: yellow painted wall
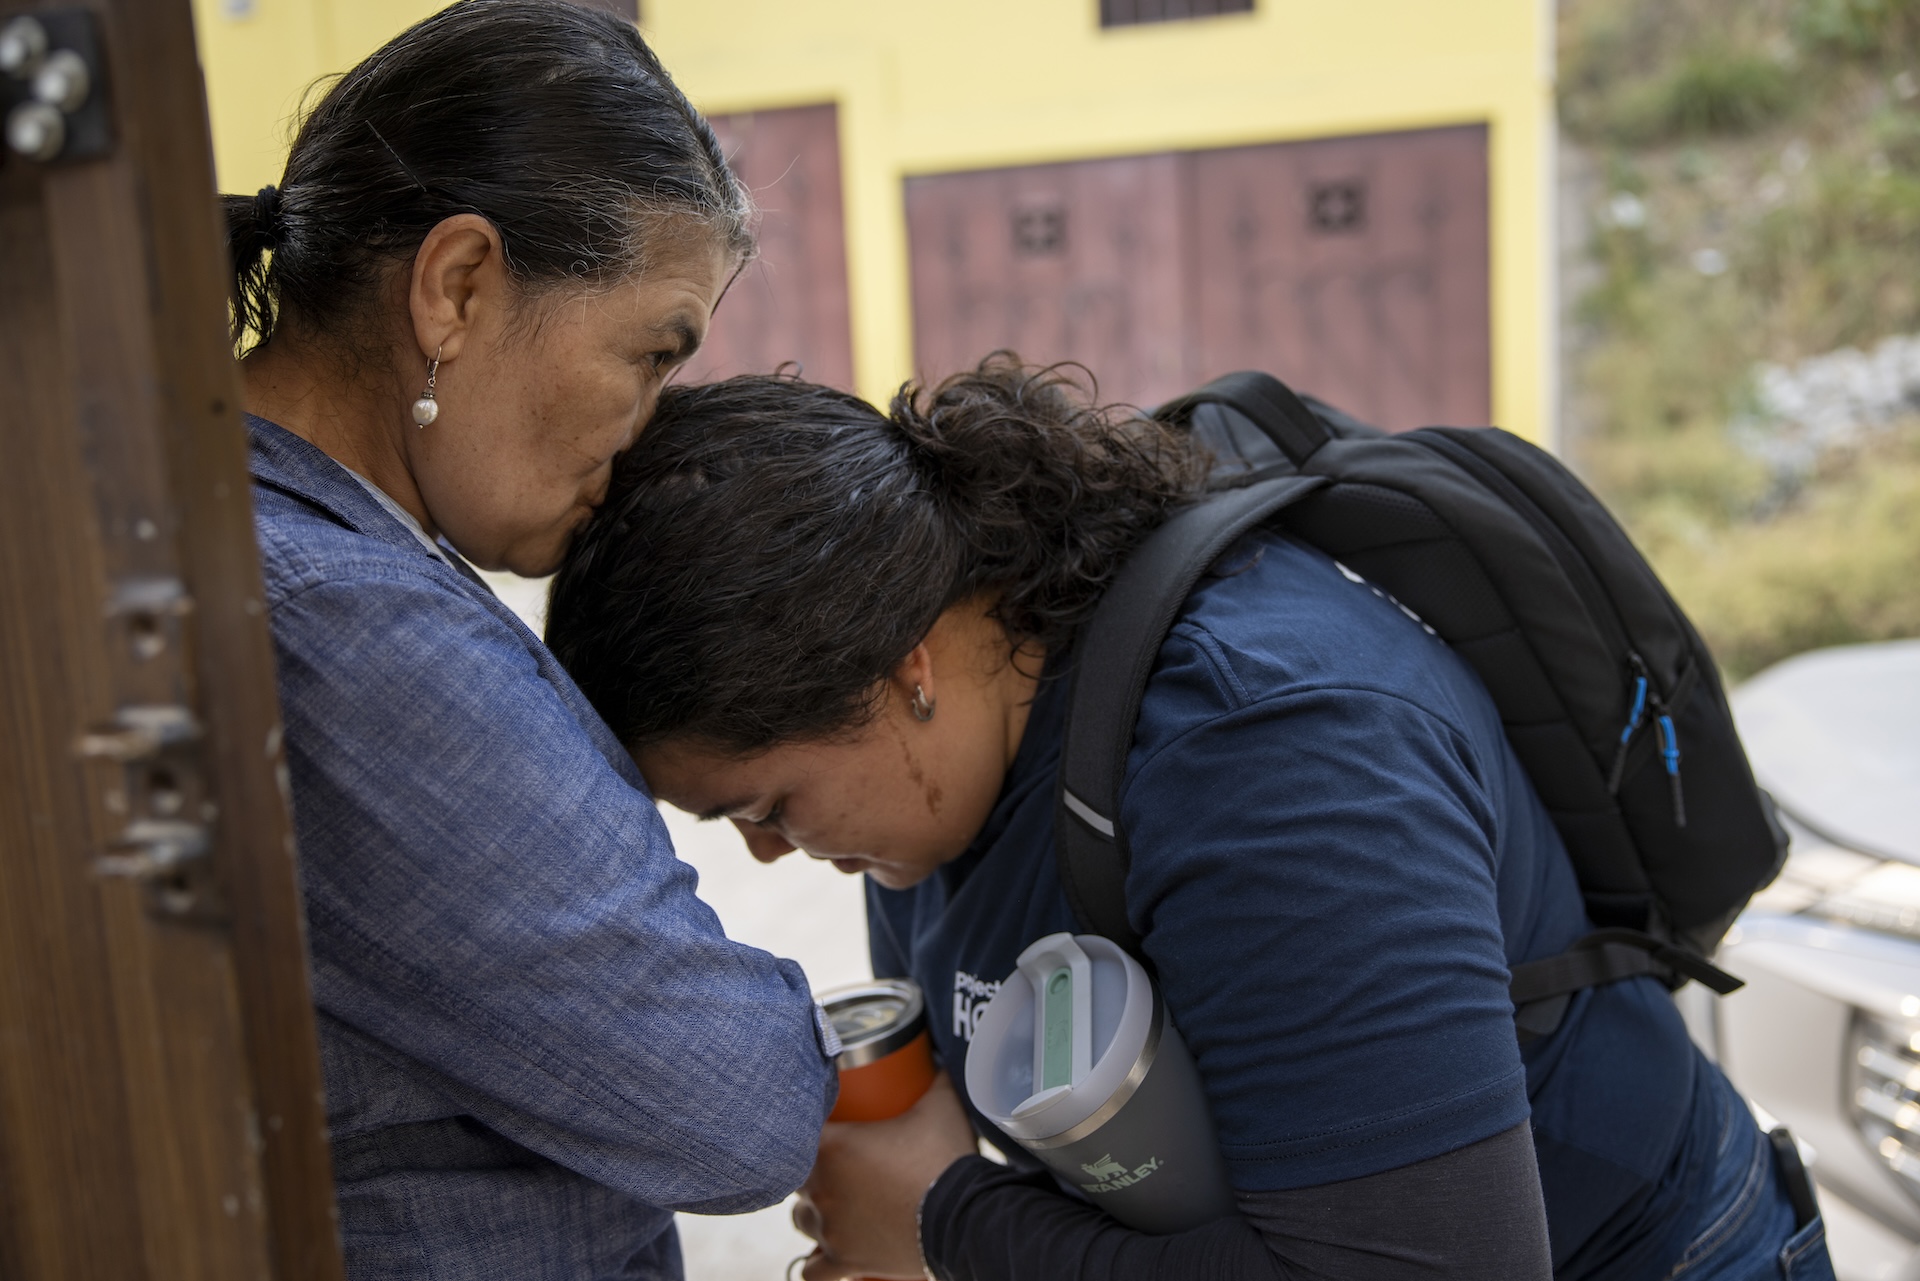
x: 927, y: 86
x: 260, y: 57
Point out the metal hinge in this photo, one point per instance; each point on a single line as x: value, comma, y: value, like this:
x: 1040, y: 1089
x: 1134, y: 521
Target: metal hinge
x: 53, y: 87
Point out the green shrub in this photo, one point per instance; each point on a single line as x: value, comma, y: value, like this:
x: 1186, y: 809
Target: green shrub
x: 1603, y: 47
x: 1896, y: 134
x: 1837, y: 568
x: 1838, y: 267
x: 1710, y: 92
x: 1634, y: 72
x: 1804, y: 171
x: 1627, y: 261
x: 1881, y: 30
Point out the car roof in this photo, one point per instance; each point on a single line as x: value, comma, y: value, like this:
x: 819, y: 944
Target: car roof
x: 1835, y: 736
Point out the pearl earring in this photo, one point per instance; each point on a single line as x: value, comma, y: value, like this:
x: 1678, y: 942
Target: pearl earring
x: 426, y: 409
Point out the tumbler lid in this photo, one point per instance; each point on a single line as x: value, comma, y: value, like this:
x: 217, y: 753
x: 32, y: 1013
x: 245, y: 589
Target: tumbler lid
x: 1065, y: 1042
x: 873, y: 1019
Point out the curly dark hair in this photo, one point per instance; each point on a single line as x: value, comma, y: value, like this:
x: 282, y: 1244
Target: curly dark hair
x: 772, y: 549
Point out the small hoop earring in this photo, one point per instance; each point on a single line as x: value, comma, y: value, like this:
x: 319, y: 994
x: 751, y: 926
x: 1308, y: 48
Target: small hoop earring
x: 426, y: 409
x: 922, y: 705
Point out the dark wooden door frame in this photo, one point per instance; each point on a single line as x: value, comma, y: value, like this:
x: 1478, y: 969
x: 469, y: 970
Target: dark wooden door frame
x: 161, y: 1111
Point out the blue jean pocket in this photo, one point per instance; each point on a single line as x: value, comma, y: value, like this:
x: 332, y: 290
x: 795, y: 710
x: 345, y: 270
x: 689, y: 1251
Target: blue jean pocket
x: 1804, y: 1257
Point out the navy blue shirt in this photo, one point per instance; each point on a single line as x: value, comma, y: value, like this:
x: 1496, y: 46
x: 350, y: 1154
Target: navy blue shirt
x: 1336, y: 858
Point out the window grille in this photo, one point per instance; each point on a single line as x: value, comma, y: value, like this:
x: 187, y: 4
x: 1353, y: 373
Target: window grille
x: 1334, y: 207
x: 1040, y: 231
x: 1126, y: 13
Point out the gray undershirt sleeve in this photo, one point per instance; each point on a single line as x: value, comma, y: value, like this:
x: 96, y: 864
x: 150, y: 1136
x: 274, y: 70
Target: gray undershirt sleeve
x: 1469, y: 1215
x: 1474, y: 1213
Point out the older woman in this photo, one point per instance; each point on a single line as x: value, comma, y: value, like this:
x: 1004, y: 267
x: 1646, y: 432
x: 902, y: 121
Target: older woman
x: 843, y: 630
x: 494, y: 241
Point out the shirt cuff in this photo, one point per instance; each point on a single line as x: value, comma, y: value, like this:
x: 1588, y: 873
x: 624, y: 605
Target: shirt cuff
x: 823, y: 1029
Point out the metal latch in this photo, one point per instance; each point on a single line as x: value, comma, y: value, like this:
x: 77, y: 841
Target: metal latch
x: 167, y: 837
x: 140, y: 733
x: 150, y: 609
x: 154, y: 848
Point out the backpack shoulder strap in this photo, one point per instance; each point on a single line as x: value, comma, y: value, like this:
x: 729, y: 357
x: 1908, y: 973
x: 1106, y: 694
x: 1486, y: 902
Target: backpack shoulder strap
x: 1270, y: 403
x: 1114, y: 656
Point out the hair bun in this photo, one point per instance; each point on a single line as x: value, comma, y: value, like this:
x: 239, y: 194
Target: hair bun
x: 267, y: 214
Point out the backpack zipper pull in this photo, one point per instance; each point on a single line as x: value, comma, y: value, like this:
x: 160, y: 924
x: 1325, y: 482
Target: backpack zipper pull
x: 1640, y: 687
x: 1670, y: 753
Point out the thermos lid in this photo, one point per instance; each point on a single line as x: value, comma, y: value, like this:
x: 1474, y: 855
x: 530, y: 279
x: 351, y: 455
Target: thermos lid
x: 1065, y: 1042
x: 873, y: 1019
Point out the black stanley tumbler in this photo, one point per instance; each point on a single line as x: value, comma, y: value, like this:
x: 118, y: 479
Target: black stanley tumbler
x: 1076, y: 1059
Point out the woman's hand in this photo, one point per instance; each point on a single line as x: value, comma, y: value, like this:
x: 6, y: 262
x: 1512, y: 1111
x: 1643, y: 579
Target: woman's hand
x: 862, y: 1201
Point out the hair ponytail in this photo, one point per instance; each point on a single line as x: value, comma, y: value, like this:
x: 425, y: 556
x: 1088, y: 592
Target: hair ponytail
x: 254, y: 231
x: 771, y: 549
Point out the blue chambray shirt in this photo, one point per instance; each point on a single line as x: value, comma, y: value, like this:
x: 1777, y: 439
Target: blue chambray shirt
x: 537, y: 1041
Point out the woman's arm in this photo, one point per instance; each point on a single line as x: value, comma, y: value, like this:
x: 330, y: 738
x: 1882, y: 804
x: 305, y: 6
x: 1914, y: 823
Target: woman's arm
x: 987, y: 1222
x: 1465, y: 1216
x: 498, y: 907
x: 1315, y: 877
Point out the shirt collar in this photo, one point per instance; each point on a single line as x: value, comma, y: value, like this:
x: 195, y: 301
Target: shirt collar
x: 285, y: 461
x: 400, y: 514
x: 1034, y: 765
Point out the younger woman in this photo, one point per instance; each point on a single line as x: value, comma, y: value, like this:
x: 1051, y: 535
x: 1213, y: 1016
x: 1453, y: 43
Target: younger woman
x: 846, y: 631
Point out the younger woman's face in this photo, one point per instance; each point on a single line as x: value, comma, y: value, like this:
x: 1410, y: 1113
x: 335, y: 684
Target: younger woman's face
x: 895, y: 798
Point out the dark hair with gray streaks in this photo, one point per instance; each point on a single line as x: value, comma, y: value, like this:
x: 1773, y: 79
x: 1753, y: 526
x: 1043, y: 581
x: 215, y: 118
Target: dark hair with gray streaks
x: 771, y: 549
x: 554, y: 122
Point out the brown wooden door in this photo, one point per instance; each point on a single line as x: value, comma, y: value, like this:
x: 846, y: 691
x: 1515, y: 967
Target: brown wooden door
x: 160, y: 1094
x: 791, y: 303
x: 1080, y: 261
x: 1356, y: 268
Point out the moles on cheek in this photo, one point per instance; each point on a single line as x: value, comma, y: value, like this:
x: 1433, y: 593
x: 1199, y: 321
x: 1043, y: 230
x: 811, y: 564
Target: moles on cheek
x: 930, y: 790
x: 874, y: 802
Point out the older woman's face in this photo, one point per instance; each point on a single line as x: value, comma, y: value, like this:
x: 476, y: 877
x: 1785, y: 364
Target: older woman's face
x: 537, y: 404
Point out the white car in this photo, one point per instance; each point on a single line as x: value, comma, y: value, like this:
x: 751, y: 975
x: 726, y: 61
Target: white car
x: 1826, y: 1034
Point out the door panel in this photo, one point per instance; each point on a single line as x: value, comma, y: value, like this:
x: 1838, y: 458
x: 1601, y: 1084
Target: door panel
x: 790, y: 304
x: 1356, y: 268
x: 161, y: 1114
x: 1076, y: 261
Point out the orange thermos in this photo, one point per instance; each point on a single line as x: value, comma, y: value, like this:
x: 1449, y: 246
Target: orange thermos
x: 886, y: 1054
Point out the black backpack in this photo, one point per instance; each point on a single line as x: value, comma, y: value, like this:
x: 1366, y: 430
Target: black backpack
x: 1608, y: 695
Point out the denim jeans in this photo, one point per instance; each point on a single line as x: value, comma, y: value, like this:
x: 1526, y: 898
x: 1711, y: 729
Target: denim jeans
x: 1752, y: 1232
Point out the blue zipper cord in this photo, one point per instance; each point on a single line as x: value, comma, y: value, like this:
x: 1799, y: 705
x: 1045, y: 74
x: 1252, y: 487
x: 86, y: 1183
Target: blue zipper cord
x: 1639, y: 709
x: 1626, y: 735
x: 1670, y: 753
